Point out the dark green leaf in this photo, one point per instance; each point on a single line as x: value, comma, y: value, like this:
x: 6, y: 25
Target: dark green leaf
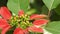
x: 57, y: 10
x: 44, y: 10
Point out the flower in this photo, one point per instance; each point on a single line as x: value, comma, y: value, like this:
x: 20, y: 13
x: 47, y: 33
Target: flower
x: 4, y: 25
x: 23, y: 26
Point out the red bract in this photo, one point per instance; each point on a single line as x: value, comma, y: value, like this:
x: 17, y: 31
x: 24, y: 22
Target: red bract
x: 4, y: 12
x: 26, y: 31
x: 5, y: 29
x: 35, y: 29
x: 21, y: 12
x: 4, y: 26
x: 40, y: 22
x: 3, y: 23
x: 18, y: 31
x: 34, y: 16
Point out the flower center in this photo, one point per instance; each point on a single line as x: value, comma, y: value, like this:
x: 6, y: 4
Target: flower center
x: 20, y: 21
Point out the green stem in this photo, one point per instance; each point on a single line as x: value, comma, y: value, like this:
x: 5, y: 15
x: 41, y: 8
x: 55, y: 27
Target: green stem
x: 49, y: 13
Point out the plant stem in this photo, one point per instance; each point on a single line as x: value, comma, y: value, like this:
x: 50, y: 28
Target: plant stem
x: 49, y: 13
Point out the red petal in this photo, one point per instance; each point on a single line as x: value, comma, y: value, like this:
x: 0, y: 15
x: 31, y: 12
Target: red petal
x: 40, y: 22
x: 37, y: 16
x: 3, y: 23
x: 5, y: 13
x: 0, y: 11
x: 26, y: 31
x: 5, y: 29
x: 35, y: 29
x: 21, y: 12
x: 18, y: 31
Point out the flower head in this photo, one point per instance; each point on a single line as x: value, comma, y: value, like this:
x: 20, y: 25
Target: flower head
x: 22, y: 22
x: 8, y: 21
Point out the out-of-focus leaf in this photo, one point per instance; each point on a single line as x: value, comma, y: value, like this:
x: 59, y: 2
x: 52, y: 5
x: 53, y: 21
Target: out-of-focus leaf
x: 51, y: 4
x: 54, y: 16
x: 31, y: 11
x: 44, y: 10
x: 53, y: 27
x: 16, y: 5
x: 24, y: 5
x: 57, y: 10
x: 46, y: 32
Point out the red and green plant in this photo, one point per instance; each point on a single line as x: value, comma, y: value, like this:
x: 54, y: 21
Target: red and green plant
x: 29, y: 17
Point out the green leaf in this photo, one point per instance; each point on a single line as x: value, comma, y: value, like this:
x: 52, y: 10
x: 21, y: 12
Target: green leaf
x: 24, y: 5
x: 53, y: 27
x: 16, y: 5
x: 31, y: 11
x: 57, y: 10
x: 44, y: 10
x: 51, y: 4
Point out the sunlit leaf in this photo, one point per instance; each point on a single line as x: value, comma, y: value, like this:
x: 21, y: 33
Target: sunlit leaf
x: 51, y: 4
x: 53, y: 27
x: 16, y: 5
